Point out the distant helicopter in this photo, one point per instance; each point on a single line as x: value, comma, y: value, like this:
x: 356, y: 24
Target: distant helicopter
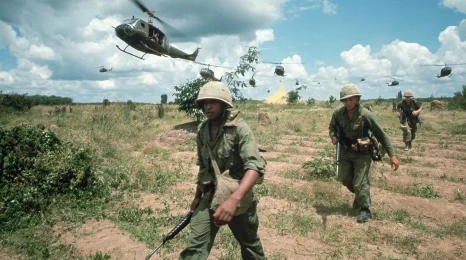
x: 279, y: 70
x: 103, y: 69
x: 252, y: 81
x: 362, y: 79
x: 207, y: 73
x: 445, y: 71
x: 145, y: 37
x: 297, y: 82
x: 394, y: 82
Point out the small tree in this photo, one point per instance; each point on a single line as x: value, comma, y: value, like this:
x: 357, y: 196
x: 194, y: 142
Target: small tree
x: 244, y: 66
x: 399, y: 96
x: 131, y: 105
x: 186, y: 96
x: 311, y: 101
x: 106, y: 102
x: 15, y: 101
x: 332, y: 99
x: 293, y: 96
x: 164, y: 98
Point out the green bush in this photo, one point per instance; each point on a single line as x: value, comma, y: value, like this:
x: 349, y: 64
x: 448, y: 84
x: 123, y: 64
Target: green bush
x: 293, y: 96
x: 320, y: 169
x: 35, y: 167
x: 458, y: 101
x: 17, y: 102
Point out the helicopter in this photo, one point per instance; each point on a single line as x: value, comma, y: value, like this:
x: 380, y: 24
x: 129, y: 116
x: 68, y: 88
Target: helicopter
x: 445, y: 71
x: 279, y: 70
x: 362, y: 79
x: 297, y: 82
x: 145, y: 37
x: 103, y: 69
x: 394, y: 82
x: 207, y: 73
x: 252, y: 81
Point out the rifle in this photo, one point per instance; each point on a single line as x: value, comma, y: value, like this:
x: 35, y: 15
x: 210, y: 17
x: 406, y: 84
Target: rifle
x: 182, y: 224
x: 338, y: 150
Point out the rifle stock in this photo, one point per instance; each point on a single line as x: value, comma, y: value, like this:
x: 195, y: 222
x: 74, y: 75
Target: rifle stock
x: 180, y: 226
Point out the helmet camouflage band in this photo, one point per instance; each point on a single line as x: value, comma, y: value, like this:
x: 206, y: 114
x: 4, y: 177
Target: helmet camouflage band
x: 408, y: 93
x: 349, y: 90
x: 215, y: 90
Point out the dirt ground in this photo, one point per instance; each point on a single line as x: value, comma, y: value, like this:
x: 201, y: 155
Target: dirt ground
x: 335, y: 234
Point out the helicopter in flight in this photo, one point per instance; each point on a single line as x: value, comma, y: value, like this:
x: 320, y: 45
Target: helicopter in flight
x: 362, y: 79
x: 207, y: 73
x: 145, y: 37
x: 279, y: 69
x: 394, y: 82
x: 104, y: 69
x: 252, y: 81
x: 446, y: 70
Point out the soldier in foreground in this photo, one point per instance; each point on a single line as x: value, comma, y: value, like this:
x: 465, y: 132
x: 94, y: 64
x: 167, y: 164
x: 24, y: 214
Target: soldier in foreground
x: 227, y: 155
x: 409, y: 117
x: 354, y: 125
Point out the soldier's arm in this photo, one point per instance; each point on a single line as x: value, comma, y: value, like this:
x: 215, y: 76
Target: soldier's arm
x: 332, y: 126
x: 249, y: 150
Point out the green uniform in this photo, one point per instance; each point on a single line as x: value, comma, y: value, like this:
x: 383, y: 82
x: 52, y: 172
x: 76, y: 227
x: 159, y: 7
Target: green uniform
x: 354, y: 166
x: 235, y: 149
x: 409, y: 133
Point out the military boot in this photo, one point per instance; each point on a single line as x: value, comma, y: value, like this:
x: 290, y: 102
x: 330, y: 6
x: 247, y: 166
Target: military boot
x: 364, y: 215
x: 410, y: 144
x: 406, y: 146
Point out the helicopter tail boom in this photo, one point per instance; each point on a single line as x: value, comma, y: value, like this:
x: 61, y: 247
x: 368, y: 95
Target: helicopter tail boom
x: 193, y: 56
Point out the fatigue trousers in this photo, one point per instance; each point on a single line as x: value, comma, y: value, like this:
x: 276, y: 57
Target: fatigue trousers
x: 354, y: 174
x: 409, y: 133
x: 203, y: 231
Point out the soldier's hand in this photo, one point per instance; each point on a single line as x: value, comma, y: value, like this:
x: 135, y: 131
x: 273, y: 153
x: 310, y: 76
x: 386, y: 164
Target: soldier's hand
x: 225, y: 212
x: 334, y: 140
x: 394, y: 163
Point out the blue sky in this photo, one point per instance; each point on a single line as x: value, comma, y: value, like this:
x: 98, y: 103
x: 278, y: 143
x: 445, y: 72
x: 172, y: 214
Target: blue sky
x: 53, y: 47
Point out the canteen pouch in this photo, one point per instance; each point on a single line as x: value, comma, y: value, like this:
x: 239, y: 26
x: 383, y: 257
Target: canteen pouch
x: 363, y: 144
x: 225, y: 185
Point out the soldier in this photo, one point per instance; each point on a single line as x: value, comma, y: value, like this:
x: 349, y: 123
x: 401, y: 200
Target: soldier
x: 224, y: 143
x: 393, y: 105
x: 355, y: 123
x: 409, y: 117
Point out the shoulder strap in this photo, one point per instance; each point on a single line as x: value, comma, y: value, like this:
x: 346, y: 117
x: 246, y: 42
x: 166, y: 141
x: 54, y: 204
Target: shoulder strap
x: 214, y: 164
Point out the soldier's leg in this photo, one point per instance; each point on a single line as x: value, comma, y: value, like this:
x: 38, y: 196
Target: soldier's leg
x: 244, y: 228
x: 413, y: 126
x: 203, y: 232
x: 346, y: 170
x: 361, y: 181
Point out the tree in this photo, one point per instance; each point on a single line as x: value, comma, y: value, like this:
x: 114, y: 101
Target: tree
x: 164, y: 99
x: 458, y: 101
x: 293, y: 96
x: 399, y: 96
x: 244, y: 66
x: 15, y: 101
x: 186, y: 96
x: 105, y: 102
x: 131, y: 105
x: 332, y: 99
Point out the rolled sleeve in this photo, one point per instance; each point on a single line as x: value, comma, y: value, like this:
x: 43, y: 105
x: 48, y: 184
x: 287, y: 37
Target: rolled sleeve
x: 248, y: 150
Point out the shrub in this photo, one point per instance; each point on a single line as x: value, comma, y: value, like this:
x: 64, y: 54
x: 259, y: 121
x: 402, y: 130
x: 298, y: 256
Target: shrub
x: 293, y: 96
x: 160, y: 111
x: 15, y: 101
x: 35, y: 167
x: 320, y: 169
x: 131, y: 106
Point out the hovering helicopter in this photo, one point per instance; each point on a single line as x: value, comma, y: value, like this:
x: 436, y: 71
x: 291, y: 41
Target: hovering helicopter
x: 394, y: 82
x: 362, y: 79
x: 103, y: 69
x: 145, y: 37
x: 297, y: 82
x: 445, y: 71
x: 207, y: 73
x: 252, y: 81
x: 279, y: 70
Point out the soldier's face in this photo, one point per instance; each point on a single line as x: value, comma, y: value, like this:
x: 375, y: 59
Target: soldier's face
x: 408, y: 99
x: 350, y: 103
x: 213, y: 109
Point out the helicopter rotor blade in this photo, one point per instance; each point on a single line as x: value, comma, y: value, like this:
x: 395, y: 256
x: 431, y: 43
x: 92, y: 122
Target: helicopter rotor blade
x: 210, y: 65
x: 170, y: 28
x: 143, y: 8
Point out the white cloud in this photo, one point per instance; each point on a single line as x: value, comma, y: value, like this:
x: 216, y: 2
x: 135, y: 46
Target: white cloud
x: 106, y: 84
x: 459, y: 5
x: 329, y: 7
x: 6, y: 78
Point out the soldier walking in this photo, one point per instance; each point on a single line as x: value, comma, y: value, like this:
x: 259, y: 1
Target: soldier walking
x: 226, y: 144
x: 356, y: 124
x: 409, y: 117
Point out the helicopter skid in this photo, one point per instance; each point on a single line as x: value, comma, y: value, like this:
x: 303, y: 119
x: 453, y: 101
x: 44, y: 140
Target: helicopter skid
x: 124, y: 50
x: 155, y: 52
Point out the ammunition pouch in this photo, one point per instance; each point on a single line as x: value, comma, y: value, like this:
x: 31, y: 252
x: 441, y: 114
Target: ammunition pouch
x: 361, y: 145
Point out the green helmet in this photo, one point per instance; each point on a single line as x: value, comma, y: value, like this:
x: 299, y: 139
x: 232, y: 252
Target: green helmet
x: 215, y: 90
x: 408, y: 93
x: 349, y: 90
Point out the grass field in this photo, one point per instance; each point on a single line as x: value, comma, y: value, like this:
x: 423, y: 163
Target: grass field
x: 419, y: 211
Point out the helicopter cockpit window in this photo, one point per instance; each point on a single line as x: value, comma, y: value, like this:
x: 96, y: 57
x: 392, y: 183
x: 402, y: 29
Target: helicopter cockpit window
x: 131, y: 21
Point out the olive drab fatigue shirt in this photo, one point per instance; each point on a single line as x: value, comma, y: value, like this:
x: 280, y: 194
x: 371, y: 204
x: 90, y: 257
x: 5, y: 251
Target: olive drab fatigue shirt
x: 408, y: 109
x: 234, y: 148
x: 352, y: 127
